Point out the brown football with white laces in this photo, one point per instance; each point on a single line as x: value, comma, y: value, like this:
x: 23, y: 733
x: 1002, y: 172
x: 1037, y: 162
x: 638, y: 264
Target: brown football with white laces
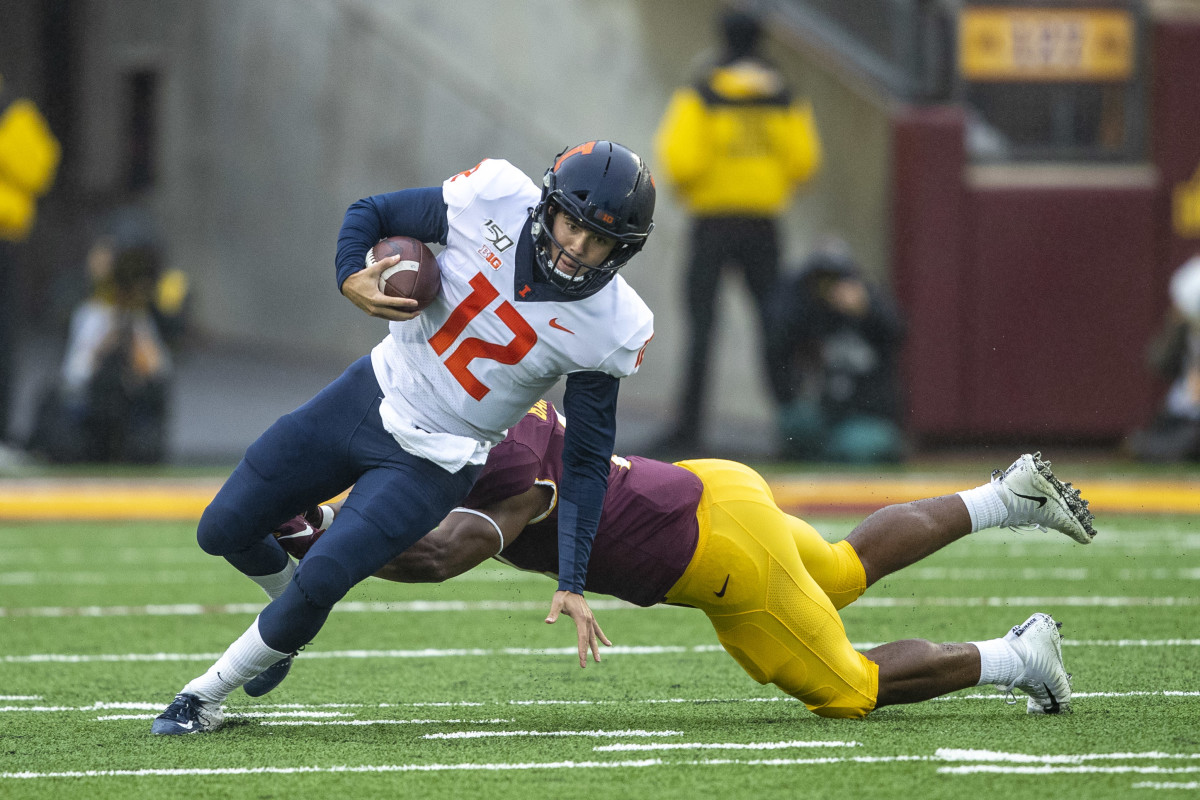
x: 416, y: 275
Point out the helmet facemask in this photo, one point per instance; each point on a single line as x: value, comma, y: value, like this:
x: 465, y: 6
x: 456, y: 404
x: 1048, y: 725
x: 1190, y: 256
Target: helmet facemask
x: 563, y: 271
x: 604, y: 188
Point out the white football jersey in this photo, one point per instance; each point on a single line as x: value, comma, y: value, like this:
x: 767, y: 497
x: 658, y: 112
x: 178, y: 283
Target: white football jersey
x: 456, y: 377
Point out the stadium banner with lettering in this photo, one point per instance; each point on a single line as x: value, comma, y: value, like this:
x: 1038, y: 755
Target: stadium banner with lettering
x: 1040, y: 44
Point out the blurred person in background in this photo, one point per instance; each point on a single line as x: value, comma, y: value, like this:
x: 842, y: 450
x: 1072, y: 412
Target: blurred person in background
x: 1174, y: 434
x: 735, y: 145
x: 29, y: 156
x: 109, y: 402
x: 837, y: 339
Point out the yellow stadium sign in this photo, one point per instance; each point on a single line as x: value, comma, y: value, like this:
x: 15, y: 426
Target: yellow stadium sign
x: 1185, y: 207
x: 1036, y: 44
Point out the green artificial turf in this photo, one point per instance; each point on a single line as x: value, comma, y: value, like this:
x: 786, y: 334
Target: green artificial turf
x: 100, y: 624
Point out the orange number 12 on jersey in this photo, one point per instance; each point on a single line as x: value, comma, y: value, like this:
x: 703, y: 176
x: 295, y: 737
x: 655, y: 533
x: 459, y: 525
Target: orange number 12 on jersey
x: 524, y: 336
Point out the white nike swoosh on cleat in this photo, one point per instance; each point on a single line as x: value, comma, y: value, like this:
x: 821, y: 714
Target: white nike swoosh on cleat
x: 191, y: 724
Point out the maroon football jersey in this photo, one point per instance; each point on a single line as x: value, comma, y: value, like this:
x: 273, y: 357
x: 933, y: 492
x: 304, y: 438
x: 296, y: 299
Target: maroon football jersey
x: 648, y: 528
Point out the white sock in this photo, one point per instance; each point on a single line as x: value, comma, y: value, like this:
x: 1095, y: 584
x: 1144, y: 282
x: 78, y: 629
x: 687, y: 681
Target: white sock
x: 984, y: 505
x: 244, y: 659
x: 274, y: 584
x: 326, y: 517
x: 998, y: 663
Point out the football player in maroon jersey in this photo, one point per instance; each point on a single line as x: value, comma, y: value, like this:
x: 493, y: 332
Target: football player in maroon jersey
x: 707, y: 534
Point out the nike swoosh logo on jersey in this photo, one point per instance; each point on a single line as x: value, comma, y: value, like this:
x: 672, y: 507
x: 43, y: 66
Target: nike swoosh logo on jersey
x: 295, y: 535
x: 1041, y: 501
x: 724, y: 586
x: 554, y: 324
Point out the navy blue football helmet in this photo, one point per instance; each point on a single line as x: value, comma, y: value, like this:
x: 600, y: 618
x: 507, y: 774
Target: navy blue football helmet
x: 608, y: 189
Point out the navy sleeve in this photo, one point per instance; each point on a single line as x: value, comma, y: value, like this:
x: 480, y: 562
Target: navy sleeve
x: 419, y: 213
x: 590, y: 406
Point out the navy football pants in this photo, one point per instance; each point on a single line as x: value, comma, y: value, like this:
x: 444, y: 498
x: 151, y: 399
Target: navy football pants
x: 333, y: 441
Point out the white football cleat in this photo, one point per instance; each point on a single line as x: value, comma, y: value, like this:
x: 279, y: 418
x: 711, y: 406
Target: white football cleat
x: 1036, y: 499
x: 1038, y: 643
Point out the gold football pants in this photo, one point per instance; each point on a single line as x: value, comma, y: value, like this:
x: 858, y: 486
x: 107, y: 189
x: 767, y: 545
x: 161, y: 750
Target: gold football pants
x: 771, y: 587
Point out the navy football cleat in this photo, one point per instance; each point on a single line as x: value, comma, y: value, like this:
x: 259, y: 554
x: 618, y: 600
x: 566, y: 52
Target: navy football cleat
x: 188, y: 714
x: 270, y: 677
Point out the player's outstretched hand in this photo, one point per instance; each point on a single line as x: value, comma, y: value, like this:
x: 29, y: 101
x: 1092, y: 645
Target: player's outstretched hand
x: 575, y: 607
x: 362, y: 289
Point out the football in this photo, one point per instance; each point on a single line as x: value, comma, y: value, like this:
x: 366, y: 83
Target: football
x: 416, y: 275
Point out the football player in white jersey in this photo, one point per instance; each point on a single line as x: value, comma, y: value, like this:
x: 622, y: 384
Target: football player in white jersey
x: 530, y: 293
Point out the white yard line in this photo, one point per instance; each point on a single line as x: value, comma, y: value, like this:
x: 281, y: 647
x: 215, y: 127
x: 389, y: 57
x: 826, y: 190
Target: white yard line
x: 124, y: 577
x: 776, y: 699
x: 941, y: 574
x: 995, y: 769
x: 173, y: 773
x: 353, y: 607
x: 303, y: 709
x: 1047, y: 764
x: 647, y: 650
x: 385, y: 721
x: 610, y: 748
x: 1131, y: 642
x: 533, y: 734
x: 1001, y: 602
x: 466, y: 767
x: 792, y: 762
x: 306, y: 710
x: 72, y: 658
x: 242, y: 715
x: 127, y: 573
x: 952, y: 754
x: 604, y: 604
x: 1075, y: 695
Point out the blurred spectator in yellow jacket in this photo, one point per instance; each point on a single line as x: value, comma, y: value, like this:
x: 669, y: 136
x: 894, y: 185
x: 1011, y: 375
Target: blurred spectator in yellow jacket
x: 29, y: 156
x: 734, y: 145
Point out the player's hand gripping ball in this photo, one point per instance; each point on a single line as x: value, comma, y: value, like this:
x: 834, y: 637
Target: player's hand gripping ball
x: 416, y: 275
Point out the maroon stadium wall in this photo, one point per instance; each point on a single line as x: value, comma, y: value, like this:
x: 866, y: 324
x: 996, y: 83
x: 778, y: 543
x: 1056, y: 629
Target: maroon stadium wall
x: 1032, y: 290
